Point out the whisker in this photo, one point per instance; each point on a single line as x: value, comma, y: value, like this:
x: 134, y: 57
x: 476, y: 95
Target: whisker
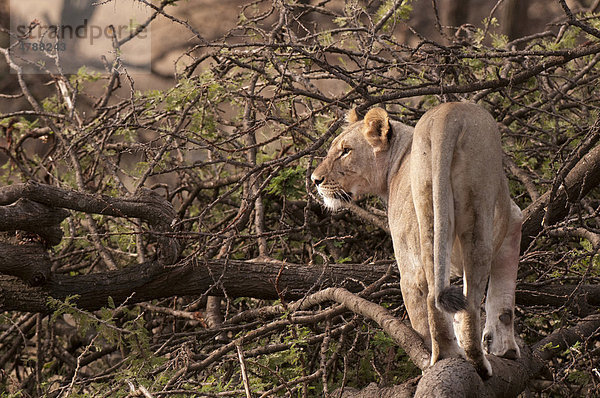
x: 344, y: 196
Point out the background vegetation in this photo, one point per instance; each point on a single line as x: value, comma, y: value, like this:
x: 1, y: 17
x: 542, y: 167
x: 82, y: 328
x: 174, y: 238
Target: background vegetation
x: 227, y: 150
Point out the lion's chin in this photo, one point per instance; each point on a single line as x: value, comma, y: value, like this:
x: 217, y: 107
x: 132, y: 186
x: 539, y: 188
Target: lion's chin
x: 337, y: 200
x: 332, y: 203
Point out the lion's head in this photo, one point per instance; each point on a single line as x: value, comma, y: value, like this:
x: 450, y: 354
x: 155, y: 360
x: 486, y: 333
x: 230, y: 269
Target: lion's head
x: 353, y: 165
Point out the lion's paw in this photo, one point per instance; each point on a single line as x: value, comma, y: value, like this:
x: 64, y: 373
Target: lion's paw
x: 484, y: 368
x: 500, y: 344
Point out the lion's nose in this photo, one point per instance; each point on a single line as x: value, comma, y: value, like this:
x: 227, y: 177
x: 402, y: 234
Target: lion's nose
x: 316, y: 179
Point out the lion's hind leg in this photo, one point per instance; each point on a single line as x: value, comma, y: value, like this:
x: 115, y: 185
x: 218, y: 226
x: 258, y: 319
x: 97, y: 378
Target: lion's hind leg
x: 443, y: 340
x: 475, y: 232
x: 499, y: 335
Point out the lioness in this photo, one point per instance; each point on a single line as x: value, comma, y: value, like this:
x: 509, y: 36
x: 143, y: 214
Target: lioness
x: 448, y: 209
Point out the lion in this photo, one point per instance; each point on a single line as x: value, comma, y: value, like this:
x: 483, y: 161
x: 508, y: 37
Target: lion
x: 449, y: 211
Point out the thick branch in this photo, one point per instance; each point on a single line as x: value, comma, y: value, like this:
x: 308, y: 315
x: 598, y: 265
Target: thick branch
x: 455, y: 377
x: 510, y: 377
x: 27, y: 262
x: 562, y: 339
x: 406, y: 390
x: 264, y: 280
x: 149, y: 281
x: 26, y: 215
x: 581, y: 296
x: 402, y: 334
x: 147, y: 205
x: 584, y: 176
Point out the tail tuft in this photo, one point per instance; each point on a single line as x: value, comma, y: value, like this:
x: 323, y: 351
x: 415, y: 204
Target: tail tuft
x: 452, y: 300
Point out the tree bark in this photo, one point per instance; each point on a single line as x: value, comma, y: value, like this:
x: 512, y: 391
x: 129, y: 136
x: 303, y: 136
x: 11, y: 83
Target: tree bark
x: 29, y: 262
x: 582, y: 178
x: 457, y: 378
x: 27, y: 215
x: 581, y: 298
x: 263, y: 280
x: 150, y: 280
x: 406, y: 390
x: 146, y: 205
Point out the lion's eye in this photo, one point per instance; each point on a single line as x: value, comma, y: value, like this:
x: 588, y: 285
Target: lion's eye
x: 345, y: 151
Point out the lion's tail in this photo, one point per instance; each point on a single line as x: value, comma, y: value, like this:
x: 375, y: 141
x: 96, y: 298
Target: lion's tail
x: 451, y: 299
x: 448, y: 298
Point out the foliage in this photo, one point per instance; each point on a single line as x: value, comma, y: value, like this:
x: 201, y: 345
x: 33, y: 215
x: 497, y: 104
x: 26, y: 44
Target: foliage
x: 231, y: 145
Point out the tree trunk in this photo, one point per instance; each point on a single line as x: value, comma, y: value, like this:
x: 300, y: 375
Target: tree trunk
x: 515, y: 19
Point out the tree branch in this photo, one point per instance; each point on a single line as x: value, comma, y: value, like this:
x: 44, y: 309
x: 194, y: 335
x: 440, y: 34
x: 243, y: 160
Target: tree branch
x: 26, y: 215
x: 510, y: 377
x: 29, y: 262
x: 582, y: 178
x: 402, y: 334
x: 146, y: 205
x: 150, y: 281
x: 264, y: 280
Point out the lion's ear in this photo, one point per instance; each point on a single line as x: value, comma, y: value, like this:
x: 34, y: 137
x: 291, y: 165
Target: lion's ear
x: 376, y: 129
x: 352, y: 116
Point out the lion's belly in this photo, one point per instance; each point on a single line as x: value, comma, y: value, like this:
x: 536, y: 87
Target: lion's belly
x: 404, y: 229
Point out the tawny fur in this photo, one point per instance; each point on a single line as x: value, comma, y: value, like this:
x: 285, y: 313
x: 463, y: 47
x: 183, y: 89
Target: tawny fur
x: 449, y: 209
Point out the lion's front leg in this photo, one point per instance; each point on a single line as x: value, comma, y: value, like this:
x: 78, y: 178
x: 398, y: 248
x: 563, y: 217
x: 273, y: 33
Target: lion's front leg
x: 414, y: 295
x: 499, y: 335
x: 444, y: 343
